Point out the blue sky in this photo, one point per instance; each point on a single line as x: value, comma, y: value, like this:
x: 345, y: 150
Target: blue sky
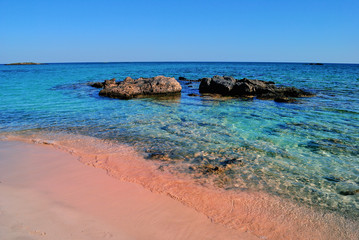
x: 158, y: 30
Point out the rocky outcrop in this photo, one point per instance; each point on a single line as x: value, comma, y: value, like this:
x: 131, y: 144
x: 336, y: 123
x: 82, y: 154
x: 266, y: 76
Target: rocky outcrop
x: 229, y: 86
x: 130, y: 88
x: 106, y: 83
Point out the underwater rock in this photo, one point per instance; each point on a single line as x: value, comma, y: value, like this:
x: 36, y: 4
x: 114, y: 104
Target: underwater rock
x: 230, y: 86
x: 228, y: 162
x: 347, y: 188
x: 211, y: 169
x: 159, y: 156
x: 333, y: 146
x: 349, y: 192
x: 189, y: 80
x: 333, y: 179
x: 285, y: 100
x: 130, y: 88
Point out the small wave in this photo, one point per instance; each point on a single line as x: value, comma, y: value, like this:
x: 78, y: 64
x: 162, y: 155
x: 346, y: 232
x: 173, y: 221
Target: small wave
x: 264, y: 215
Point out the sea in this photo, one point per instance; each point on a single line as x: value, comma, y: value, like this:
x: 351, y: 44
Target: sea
x: 306, y: 152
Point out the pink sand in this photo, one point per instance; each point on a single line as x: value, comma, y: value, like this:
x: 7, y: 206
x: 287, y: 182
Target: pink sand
x: 46, y: 193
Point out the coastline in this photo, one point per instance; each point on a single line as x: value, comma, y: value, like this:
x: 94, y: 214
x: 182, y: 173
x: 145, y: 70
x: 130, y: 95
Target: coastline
x: 257, y: 213
x: 47, y: 194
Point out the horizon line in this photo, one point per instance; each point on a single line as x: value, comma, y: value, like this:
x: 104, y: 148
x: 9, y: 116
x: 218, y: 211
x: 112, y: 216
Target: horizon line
x: 105, y: 62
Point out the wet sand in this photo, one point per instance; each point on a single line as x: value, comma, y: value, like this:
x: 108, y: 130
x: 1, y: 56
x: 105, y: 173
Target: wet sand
x: 46, y: 193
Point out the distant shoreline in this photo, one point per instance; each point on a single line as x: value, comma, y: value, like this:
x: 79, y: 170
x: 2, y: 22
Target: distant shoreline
x: 100, y: 62
x: 24, y: 63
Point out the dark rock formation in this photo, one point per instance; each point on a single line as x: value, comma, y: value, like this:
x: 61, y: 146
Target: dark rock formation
x: 96, y: 84
x: 24, y: 63
x: 229, y: 86
x: 333, y: 146
x: 159, y: 156
x: 349, y: 192
x: 107, y: 83
x: 211, y: 169
x: 130, y: 88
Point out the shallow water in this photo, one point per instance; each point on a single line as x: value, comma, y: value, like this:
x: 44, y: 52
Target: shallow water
x: 257, y: 212
x: 307, y: 152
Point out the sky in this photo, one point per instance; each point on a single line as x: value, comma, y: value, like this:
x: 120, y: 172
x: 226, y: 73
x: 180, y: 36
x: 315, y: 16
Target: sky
x: 164, y: 30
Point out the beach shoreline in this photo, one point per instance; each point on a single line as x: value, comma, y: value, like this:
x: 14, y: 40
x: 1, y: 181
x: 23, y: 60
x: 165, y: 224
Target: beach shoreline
x: 47, y: 194
x: 253, y: 213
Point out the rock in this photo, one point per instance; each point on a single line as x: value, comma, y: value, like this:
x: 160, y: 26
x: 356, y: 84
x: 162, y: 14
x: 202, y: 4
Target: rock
x: 229, y: 86
x: 333, y: 178
x: 349, y: 192
x: 159, y: 156
x: 106, y: 83
x: 110, y: 83
x: 285, y: 100
x: 188, y: 80
x: 211, y: 169
x: 335, y: 147
x: 96, y: 84
x: 316, y: 64
x: 230, y: 161
x: 130, y: 88
x: 347, y: 188
x: 217, y: 84
x: 193, y: 95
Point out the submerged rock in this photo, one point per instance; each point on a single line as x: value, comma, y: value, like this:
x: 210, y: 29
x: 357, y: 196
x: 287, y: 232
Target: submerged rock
x: 130, y: 88
x: 347, y: 188
x: 211, y: 169
x: 229, y: 86
x: 159, y: 156
x: 349, y: 192
x: 333, y: 178
x: 188, y: 80
x: 285, y: 100
x: 333, y: 146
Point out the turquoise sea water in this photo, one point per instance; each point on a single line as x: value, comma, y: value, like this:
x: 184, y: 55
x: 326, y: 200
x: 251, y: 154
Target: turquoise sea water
x: 307, y: 152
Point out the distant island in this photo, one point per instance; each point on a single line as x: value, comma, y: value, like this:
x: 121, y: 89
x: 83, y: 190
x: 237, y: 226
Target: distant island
x: 24, y: 63
x: 316, y: 64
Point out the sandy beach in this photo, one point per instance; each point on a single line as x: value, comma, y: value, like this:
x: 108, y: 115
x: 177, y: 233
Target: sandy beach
x: 179, y: 120
x: 47, y: 194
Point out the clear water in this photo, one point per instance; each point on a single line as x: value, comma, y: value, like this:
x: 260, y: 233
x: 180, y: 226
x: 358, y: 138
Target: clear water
x: 307, y: 151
